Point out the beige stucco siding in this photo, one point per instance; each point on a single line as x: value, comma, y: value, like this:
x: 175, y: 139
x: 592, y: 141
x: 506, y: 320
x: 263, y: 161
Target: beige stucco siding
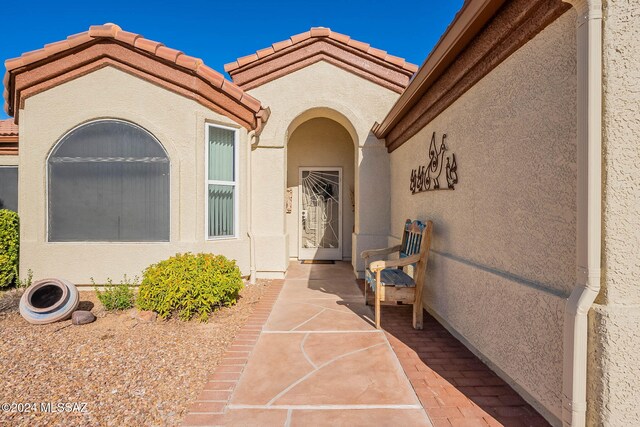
x: 614, y: 361
x: 323, y: 90
x: 9, y: 160
x: 177, y: 122
x: 504, y: 240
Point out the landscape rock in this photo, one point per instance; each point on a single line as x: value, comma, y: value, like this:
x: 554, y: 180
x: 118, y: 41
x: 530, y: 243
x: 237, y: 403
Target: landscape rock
x: 147, y: 316
x: 82, y: 317
x: 160, y: 361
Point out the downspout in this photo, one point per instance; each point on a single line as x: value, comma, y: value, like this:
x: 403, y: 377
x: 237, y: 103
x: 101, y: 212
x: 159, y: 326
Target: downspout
x: 589, y: 223
x: 253, y: 140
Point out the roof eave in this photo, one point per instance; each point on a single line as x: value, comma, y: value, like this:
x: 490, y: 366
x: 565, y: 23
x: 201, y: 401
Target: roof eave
x: 252, y: 70
x: 155, y: 50
x: 469, y: 21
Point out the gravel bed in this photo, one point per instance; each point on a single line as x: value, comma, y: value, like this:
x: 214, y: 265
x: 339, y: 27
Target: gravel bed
x: 126, y: 372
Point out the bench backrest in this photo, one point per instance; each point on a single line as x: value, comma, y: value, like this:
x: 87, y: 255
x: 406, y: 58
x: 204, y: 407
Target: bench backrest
x: 412, y: 237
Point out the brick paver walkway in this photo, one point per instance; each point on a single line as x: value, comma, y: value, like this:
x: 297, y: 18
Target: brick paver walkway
x: 454, y: 386
x: 310, y: 356
x: 209, y: 407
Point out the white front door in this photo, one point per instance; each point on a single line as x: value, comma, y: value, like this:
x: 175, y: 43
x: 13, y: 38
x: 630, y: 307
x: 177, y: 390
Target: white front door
x: 320, y: 213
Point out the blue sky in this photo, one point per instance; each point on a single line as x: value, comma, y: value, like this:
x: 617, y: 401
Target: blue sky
x: 220, y: 32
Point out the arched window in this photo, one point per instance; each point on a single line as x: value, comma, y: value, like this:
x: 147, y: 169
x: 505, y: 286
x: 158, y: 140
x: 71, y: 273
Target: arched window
x: 108, y: 182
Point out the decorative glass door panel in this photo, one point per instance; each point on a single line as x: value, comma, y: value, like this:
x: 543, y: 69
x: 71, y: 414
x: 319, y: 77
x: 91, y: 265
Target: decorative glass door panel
x: 321, y: 213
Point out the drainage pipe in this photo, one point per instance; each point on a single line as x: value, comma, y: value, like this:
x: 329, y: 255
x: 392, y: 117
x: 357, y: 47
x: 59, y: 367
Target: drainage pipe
x: 589, y: 210
x: 253, y: 140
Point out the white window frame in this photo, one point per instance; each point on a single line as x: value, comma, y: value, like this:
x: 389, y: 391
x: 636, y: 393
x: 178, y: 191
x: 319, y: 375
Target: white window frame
x: 234, y: 183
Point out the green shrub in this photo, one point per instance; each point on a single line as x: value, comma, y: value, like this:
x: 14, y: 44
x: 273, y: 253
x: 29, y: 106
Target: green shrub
x: 25, y: 283
x: 117, y: 297
x: 9, y: 247
x: 189, y: 285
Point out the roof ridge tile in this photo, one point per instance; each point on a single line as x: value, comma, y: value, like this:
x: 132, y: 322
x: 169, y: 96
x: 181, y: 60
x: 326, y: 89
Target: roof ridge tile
x: 189, y: 62
x: 214, y: 77
x: 34, y: 55
x: 168, y: 53
x: 321, y: 32
x: 232, y: 89
x: 359, y: 45
x: 127, y: 37
x: 300, y: 37
x: 378, y: 53
x: 106, y: 30
x: 148, y: 45
x: 265, y: 52
x: 281, y: 45
x: 78, y: 39
x: 56, y: 47
x: 342, y: 38
x: 247, y: 59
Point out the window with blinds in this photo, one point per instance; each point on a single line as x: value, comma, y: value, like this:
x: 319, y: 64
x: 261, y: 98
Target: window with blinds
x: 108, y: 182
x: 221, y: 185
x: 9, y: 188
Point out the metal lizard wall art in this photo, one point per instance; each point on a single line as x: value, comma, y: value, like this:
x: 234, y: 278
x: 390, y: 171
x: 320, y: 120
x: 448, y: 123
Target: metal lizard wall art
x: 427, y: 177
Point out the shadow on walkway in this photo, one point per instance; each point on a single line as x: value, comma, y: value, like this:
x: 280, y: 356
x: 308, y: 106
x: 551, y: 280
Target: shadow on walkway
x: 454, y: 386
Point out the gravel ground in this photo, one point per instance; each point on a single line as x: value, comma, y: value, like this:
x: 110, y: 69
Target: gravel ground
x: 127, y: 373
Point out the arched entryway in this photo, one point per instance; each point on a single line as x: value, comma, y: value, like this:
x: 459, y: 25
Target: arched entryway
x: 320, y: 189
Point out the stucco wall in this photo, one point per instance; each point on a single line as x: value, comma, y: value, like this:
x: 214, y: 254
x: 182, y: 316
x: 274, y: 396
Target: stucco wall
x: 323, y: 90
x: 320, y: 142
x: 503, y: 257
x: 614, y: 361
x: 9, y: 160
x: 177, y: 122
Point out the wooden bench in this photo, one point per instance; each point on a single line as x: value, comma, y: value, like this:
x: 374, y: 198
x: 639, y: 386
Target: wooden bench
x: 390, y: 284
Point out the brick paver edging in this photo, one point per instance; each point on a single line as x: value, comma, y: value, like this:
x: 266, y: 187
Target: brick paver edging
x: 454, y: 386
x: 212, y: 401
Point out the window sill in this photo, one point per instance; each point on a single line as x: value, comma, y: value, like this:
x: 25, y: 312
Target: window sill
x: 219, y: 239
x: 164, y: 242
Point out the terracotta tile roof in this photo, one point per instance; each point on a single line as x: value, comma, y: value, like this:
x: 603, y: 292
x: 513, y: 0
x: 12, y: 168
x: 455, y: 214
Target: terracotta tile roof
x: 111, y: 32
x: 321, y: 32
x: 8, y: 128
x: 8, y: 137
x: 289, y: 55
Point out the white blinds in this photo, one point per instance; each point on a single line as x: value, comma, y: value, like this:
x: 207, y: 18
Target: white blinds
x: 221, y: 183
x: 221, y: 154
x: 221, y: 201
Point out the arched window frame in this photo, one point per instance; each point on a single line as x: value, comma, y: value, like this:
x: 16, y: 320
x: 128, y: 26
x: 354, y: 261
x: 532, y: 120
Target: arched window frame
x: 54, y: 149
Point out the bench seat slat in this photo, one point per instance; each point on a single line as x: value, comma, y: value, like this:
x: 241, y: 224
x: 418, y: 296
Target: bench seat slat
x: 390, y: 277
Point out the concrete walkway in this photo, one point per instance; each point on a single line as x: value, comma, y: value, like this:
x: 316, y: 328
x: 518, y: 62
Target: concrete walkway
x: 310, y: 356
x: 317, y: 360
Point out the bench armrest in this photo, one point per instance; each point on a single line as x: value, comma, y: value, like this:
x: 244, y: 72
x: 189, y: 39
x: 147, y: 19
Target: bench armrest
x: 381, y: 265
x: 376, y: 252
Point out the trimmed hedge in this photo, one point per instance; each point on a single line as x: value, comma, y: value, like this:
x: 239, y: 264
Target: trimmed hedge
x: 189, y: 285
x: 9, y: 247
